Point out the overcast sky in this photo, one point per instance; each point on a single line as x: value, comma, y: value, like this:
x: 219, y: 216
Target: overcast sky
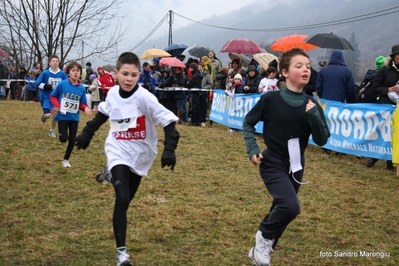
x: 142, y: 16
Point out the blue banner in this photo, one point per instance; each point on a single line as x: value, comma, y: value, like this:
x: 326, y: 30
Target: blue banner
x: 361, y: 129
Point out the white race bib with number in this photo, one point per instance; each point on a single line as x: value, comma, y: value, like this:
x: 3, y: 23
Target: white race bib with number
x: 54, y: 81
x: 123, y: 124
x: 69, y: 106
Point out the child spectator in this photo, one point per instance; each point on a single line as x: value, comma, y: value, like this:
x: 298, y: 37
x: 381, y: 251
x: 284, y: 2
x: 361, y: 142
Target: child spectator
x: 289, y: 117
x: 131, y: 145
x: 67, y: 98
x: 269, y: 83
x: 230, y: 90
x: 30, y: 86
x: 238, y: 84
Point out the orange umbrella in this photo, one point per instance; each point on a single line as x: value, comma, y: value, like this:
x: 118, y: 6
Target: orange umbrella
x: 292, y: 41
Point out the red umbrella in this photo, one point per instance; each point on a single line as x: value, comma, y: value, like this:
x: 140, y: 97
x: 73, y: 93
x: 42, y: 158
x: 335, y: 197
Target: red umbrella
x: 292, y: 41
x: 241, y: 46
x: 172, y: 61
x: 3, y: 54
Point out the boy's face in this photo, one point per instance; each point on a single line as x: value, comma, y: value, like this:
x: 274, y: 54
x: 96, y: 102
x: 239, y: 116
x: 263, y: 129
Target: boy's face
x: 74, y: 74
x: 127, y: 76
x: 54, y: 63
x: 298, y: 73
x: 237, y: 80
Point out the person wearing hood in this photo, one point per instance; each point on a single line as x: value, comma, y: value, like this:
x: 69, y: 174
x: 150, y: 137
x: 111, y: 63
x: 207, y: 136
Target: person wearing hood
x: 166, y: 98
x: 335, y: 81
x: 253, y: 80
x: 106, y: 81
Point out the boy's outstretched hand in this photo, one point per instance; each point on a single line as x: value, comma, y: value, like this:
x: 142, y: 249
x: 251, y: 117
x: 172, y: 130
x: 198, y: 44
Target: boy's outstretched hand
x: 170, y: 144
x: 82, y: 141
x: 168, y: 159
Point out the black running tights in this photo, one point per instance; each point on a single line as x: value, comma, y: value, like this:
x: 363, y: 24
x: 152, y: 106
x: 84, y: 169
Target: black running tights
x: 63, y: 127
x: 126, y: 184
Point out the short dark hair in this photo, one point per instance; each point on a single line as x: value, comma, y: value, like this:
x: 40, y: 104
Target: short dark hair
x: 194, y: 66
x: 73, y: 64
x: 52, y: 57
x: 128, y: 58
x: 271, y: 69
x: 285, y: 58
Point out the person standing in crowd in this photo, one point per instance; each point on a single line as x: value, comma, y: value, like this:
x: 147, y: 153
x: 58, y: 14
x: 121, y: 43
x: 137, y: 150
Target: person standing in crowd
x: 13, y: 75
x: 131, y: 145
x: 269, y: 83
x: 47, y: 81
x: 22, y: 75
x: 95, y: 91
x: 68, y: 97
x: 253, y: 80
x: 215, y: 64
x: 147, y: 78
x: 106, y: 82
x: 206, y: 84
x: 289, y: 117
x: 235, y: 66
x: 180, y: 97
x: 387, y: 81
x: 310, y: 88
x: 167, y: 98
x: 195, y: 98
x: 335, y: 81
x: 3, y: 75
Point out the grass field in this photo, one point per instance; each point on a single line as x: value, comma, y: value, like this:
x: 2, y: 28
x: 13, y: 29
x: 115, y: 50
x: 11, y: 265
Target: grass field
x: 206, y: 212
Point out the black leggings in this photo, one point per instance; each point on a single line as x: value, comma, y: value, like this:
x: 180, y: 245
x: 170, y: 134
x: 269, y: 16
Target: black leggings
x: 126, y: 184
x: 63, y: 127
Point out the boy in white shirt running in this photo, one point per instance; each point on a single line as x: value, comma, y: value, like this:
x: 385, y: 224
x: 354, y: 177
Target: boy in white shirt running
x: 131, y: 145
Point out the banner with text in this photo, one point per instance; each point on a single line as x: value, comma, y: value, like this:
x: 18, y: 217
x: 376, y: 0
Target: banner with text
x: 359, y: 129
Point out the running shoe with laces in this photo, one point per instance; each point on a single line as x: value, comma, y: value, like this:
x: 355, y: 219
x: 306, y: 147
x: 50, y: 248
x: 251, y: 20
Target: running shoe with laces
x: 66, y: 164
x: 260, y: 253
x: 122, y: 258
x: 103, y: 176
x: 52, y: 133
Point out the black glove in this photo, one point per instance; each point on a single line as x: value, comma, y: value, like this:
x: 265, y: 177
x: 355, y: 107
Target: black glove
x: 171, y: 139
x: 47, y: 87
x: 82, y: 141
x: 168, y: 159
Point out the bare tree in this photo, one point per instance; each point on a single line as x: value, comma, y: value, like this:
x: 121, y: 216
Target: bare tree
x: 72, y: 29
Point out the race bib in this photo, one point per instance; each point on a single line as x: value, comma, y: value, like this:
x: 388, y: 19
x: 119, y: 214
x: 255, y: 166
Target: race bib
x: 123, y: 124
x: 54, y: 81
x: 69, y: 106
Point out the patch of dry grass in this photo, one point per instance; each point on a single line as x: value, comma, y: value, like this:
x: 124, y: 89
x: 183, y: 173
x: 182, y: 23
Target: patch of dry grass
x: 206, y: 212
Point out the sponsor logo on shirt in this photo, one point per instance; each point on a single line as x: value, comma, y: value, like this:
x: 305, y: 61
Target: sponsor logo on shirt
x: 137, y: 133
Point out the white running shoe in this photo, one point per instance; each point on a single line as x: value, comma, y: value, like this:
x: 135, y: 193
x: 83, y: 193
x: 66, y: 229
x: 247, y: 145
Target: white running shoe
x: 52, y: 133
x: 122, y: 258
x: 260, y: 253
x: 203, y: 124
x: 66, y: 164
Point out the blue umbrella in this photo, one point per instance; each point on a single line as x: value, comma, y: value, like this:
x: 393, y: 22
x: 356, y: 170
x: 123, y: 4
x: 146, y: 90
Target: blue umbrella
x: 176, y: 49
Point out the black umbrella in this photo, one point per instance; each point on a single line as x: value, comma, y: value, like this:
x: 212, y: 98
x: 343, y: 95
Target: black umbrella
x: 329, y: 40
x: 198, y: 51
x: 175, y: 49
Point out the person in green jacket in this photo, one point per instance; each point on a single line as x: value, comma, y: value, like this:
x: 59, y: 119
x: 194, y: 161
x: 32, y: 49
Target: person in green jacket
x: 289, y: 118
